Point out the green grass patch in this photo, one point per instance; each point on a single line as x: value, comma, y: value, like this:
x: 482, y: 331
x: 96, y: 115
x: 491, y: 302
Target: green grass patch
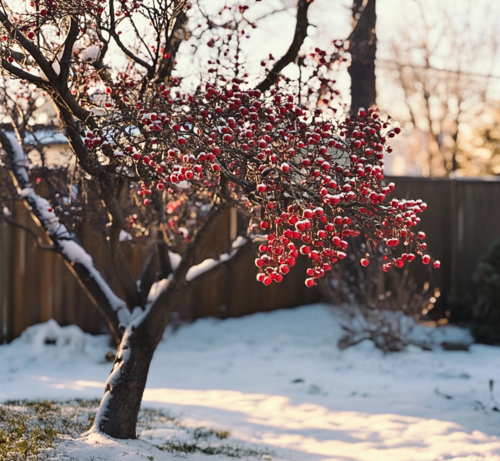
x: 29, y: 429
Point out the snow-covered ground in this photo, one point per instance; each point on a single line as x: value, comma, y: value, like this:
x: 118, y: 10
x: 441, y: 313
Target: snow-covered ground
x: 278, y: 383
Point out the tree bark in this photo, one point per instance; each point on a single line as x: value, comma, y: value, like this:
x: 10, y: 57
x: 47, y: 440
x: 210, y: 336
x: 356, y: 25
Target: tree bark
x: 363, y: 49
x: 119, y: 408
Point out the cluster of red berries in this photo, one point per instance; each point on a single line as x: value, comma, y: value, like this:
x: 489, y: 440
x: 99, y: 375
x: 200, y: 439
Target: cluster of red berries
x: 315, y: 180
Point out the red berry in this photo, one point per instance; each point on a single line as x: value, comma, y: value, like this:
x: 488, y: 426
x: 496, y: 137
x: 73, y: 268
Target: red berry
x: 364, y: 262
x: 426, y: 259
x: 305, y: 250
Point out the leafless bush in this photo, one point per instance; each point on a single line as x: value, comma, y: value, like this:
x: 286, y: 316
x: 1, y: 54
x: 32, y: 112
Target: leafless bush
x: 382, y: 307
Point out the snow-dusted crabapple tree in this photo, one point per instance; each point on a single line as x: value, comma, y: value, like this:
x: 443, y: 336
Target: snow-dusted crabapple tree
x: 171, y: 125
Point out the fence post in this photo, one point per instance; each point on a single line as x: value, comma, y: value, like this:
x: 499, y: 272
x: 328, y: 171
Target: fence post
x: 5, y: 282
x: 454, y: 236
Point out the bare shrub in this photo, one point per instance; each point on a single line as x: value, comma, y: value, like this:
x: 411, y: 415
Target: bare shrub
x: 379, y: 306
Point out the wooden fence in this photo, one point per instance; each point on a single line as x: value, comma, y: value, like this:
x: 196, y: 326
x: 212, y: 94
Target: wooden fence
x: 36, y: 285
x: 462, y: 220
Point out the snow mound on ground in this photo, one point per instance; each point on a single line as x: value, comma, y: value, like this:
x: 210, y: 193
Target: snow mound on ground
x: 99, y: 447
x: 50, y: 333
x: 444, y: 333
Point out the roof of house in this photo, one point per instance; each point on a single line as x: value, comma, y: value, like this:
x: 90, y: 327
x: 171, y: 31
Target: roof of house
x: 40, y: 134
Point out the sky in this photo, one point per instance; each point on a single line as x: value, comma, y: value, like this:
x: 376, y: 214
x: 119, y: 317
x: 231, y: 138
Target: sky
x: 331, y: 19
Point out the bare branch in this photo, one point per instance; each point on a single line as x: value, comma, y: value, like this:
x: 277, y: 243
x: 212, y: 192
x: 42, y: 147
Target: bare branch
x: 80, y: 263
x: 192, y: 255
x: 68, y: 51
x: 110, y: 191
x: 112, y: 31
x: 293, y: 51
x: 39, y: 82
x: 30, y: 47
x: 28, y: 230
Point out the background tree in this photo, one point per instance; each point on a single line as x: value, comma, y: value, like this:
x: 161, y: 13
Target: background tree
x: 363, y: 50
x: 164, y: 154
x: 444, y: 68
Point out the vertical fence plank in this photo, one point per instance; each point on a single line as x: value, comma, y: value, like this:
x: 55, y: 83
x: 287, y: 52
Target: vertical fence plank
x: 19, y: 287
x: 5, y: 283
x: 3, y: 286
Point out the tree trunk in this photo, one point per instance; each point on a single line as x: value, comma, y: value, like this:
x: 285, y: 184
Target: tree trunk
x: 119, y: 408
x: 363, y: 49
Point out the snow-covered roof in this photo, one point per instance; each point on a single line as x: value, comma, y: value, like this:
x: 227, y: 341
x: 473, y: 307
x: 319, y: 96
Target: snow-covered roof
x: 45, y: 136
x: 41, y: 134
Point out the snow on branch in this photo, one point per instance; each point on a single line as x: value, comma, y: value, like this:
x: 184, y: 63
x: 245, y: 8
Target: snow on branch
x: 175, y: 260
x: 74, y: 253
x: 139, y: 314
x: 210, y: 263
x: 299, y: 36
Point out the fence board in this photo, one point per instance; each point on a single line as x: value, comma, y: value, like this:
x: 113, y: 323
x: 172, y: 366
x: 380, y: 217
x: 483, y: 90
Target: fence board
x: 5, y: 282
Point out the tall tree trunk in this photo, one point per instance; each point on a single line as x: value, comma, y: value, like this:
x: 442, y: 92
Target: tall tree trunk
x: 119, y: 409
x: 363, y: 49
